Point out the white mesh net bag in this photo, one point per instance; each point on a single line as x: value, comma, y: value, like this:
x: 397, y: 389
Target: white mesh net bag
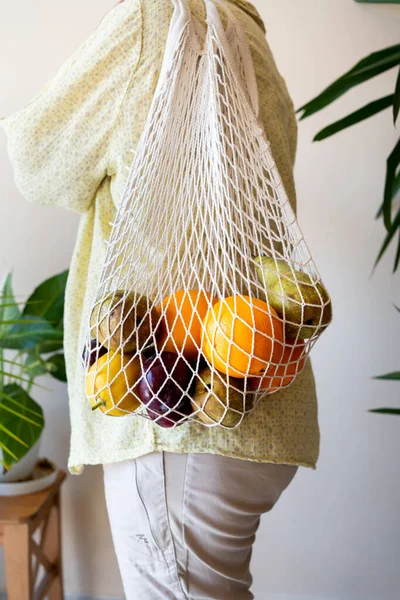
x: 209, y: 299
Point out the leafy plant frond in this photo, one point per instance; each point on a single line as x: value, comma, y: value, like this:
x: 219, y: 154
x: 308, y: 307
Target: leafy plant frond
x: 396, y: 101
x: 367, y: 68
x: 397, y: 257
x: 16, y: 413
x: 390, y: 376
x: 6, y: 451
x: 32, y: 329
x: 22, y: 420
x: 21, y: 366
x: 391, y: 168
x: 28, y: 332
x: 47, y: 301
x: 389, y: 236
x: 13, y: 436
x: 35, y: 411
x: 386, y: 411
x: 367, y: 111
x: 56, y: 366
x: 19, y: 378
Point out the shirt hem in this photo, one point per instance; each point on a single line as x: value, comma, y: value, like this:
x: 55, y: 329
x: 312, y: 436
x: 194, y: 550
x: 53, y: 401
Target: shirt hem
x: 76, y: 466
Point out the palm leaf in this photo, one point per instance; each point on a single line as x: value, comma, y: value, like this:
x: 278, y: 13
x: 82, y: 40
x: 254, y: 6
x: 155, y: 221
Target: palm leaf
x: 367, y: 68
x: 396, y: 101
x: 35, y: 363
x: 22, y: 423
x: 391, y: 168
x: 9, y: 311
x: 396, y: 190
x: 35, y: 412
x: 396, y: 185
x: 29, y: 332
x: 7, y: 462
x: 24, y: 367
x: 395, y: 376
x: 359, y: 115
x: 378, y: 1
x: 12, y: 435
x: 386, y: 411
x: 389, y: 236
x: 397, y: 257
x: 18, y: 378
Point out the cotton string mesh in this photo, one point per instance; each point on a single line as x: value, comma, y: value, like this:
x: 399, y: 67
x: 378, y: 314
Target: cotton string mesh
x: 204, y: 248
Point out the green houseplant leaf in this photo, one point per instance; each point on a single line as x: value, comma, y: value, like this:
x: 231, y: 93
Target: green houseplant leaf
x: 55, y: 365
x: 35, y: 364
x: 47, y: 300
x: 37, y: 330
x: 396, y: 102
x: 391, y: 168
x: 396, y: 190
x: 29, y: 331
x: 378, y: 1
x: 390, y: 376
x: 21, y: 423
x: 367, y: 111
x: 374, y: 64
x: 386, y: 411
x: 389, y: 236
x: 370, y: 66
x: 9, y: 310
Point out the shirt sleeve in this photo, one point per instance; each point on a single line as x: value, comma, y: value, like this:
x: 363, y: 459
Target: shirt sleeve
x: 59, y: 143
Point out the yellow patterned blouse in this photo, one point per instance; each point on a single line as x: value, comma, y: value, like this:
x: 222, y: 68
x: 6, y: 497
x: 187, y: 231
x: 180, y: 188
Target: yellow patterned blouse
x: 70, y: 147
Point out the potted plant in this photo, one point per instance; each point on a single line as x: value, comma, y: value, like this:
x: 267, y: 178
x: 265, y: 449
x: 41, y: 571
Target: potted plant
x: 389, y: 209
x: 31, y: 345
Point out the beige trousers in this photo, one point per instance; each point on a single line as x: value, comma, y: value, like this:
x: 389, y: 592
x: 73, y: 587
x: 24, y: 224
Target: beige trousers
x: 183, y: 525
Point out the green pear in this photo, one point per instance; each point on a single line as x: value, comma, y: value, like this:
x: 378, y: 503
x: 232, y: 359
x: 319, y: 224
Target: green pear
x: 210, y: 396
x: 304, y: 306
x: 122, y: 322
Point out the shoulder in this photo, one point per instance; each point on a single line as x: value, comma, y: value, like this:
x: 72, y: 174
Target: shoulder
x: 121, y: 26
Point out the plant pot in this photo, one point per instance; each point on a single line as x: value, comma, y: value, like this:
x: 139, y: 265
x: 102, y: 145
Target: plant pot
x: 44, y: 476
x: 23, y: 469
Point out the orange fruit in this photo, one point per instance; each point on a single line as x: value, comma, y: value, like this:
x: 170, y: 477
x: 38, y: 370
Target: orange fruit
x: 110, y: 384
x: 242, y: 336
x: 281, y: 375
x: 181, y: 326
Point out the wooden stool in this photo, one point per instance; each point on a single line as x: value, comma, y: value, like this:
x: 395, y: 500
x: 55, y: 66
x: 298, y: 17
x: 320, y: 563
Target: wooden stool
x: 20, y: 517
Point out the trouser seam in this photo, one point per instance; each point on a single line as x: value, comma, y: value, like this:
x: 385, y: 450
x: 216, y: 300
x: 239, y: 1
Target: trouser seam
x: 146, y: 511
x: 176, y: 572
x: 184, y: 545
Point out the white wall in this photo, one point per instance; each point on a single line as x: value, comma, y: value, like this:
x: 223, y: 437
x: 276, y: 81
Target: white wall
x: 335, y: 534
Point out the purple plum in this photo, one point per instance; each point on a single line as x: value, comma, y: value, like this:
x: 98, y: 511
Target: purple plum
x: 162, y: 389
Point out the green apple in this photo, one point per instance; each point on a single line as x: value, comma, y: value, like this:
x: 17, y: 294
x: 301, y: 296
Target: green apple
x: 304, y: 306
x: 210, y: 395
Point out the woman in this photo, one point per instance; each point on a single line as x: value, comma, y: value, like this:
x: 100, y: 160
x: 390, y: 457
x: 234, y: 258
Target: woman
x: 184, y: 505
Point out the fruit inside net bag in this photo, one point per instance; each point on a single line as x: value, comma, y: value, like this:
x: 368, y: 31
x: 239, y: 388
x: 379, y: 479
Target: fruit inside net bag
x: 209, y: 299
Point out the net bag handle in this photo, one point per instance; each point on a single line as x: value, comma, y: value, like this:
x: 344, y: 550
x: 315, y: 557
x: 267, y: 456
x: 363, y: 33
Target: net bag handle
x: 248, y: 76
x: 183, y: 19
